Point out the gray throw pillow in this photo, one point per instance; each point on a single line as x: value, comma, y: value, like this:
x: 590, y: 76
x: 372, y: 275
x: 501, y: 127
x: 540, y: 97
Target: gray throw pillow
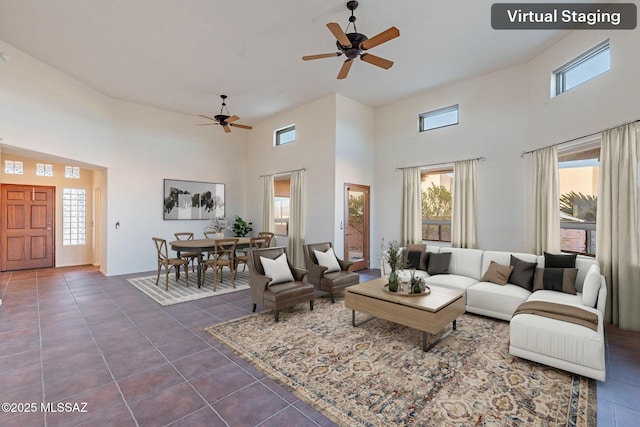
x: 523, y: 272
x: 438, y: 263
x: 556, y: 279
x: 559, y: 260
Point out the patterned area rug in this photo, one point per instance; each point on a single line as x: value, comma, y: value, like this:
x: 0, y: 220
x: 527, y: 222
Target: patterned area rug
x: 376, y: 374
x: 179, y: 292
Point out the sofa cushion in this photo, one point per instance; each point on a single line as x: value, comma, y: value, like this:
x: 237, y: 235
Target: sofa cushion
x: 557, y: 297
x: 438, y: 263
x: 465, y: 262
x: 559, y: 341
x: 559, y: 260
x: 591, y: 286
x: 523, y: 272
x: 583, y: 264
x: 490, y: 299
x: 327, y: 259
x: 278, y: 269
x: 497, y: 273
x: 451, y: 281
x: 555, y: 279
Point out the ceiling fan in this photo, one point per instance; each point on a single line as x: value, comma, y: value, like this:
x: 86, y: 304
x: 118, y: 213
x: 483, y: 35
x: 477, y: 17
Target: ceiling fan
x: 355, y: 44
x: 224, y: 120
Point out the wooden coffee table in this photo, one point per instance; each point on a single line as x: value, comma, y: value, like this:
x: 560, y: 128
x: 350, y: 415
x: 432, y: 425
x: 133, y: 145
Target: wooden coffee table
x: 429, y: 313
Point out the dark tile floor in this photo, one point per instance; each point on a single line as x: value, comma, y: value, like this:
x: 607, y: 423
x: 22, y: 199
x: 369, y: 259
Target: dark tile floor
x: 73, y: 336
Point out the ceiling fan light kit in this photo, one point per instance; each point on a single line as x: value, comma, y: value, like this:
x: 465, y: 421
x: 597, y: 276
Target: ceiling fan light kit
x: 354, y: 44
x: 224, y: 120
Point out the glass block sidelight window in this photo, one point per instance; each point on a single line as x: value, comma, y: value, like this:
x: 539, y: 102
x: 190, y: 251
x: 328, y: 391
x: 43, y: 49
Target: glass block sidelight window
x: 435, y: 119
x: 74, y: 216
x: 583, y: 68
x: 71, y: 172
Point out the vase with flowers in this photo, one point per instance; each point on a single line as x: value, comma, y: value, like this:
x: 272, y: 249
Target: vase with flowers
x: 218, y: 225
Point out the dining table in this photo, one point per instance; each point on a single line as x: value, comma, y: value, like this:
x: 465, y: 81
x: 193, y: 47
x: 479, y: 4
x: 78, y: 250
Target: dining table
x: 200, y: 246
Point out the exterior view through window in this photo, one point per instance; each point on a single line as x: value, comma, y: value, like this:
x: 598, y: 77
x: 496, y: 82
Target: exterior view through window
x: 436, y: 205
x: 282, y: 191
x: 578, y: 181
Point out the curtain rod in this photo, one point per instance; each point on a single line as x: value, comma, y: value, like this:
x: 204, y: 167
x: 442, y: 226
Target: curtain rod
x: 280, y: 173
x: 524, y: 153
x: 481, y: 159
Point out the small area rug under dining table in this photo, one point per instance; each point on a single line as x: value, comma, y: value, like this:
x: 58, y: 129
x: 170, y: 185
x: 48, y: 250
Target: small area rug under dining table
x: 376, y: 374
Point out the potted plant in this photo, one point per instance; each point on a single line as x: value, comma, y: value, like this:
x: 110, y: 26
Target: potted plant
x: 393, y: 256
x: 418, y: 285
x: 241, y: 227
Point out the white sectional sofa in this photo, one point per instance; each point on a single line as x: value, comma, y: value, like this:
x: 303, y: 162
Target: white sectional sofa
x: 549, y: 341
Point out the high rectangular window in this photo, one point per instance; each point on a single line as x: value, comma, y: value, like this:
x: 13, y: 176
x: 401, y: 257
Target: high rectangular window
x: 74, y: 216
x: 285, y: 135
x: 436, y: 191
x: 439, y: 118
x: 585, y: 67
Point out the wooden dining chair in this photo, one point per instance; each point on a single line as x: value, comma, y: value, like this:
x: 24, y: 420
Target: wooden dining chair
x: 211, y: 235
x: 224, y: 253
x: 267, y: 235
x: 187, y: 256
x: 168, y: 263
x: 242, y: 256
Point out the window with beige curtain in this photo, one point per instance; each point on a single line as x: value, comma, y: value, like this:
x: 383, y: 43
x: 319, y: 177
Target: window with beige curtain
x: 617, y: 225
x: 464, y: 206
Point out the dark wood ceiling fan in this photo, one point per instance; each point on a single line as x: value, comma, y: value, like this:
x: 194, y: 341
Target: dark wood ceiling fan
x: 355, y: 44
x: 224, y: 120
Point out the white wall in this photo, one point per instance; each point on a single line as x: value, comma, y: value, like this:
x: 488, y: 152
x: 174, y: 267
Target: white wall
x: 355, y: 147
x: 46, y: 112
x: 313, y: 149
x: 502, y: 114
x: 493, y: 114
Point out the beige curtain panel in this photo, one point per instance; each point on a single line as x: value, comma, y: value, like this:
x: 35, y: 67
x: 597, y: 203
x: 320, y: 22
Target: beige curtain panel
x: 411, y: 207
x: 464, y: 215
x: 617, y: 225
x: 296, y: 219
x: 267, y: 204
x: 546, y: 202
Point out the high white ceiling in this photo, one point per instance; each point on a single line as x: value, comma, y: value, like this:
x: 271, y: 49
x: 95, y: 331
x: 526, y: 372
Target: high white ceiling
x: 182, y: 54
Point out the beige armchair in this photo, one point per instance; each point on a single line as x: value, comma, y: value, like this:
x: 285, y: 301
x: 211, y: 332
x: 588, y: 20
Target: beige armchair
x: 332, y: 282
x: 279, y: 295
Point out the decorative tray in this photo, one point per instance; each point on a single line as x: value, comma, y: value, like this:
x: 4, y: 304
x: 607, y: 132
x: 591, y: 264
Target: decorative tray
x: 405, y: 291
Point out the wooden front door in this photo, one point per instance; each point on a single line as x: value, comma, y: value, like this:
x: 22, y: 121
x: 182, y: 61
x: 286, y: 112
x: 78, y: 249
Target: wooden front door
x: 356, y: 225
x: 27, y: 230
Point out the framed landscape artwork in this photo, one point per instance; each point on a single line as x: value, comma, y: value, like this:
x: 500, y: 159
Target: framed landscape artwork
x: 193, y: 200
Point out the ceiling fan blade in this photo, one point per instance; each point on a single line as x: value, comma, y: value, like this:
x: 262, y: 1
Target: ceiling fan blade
x: 208, y: 124
x: 384, y: 36
x: 207, y: 117
x: 339, y: 34
x: 238, y: 125
x: 232, y: 119
x: 322, y: 55
x: 376, y: 60
x: 226, y: 128
x: 344, y: 70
